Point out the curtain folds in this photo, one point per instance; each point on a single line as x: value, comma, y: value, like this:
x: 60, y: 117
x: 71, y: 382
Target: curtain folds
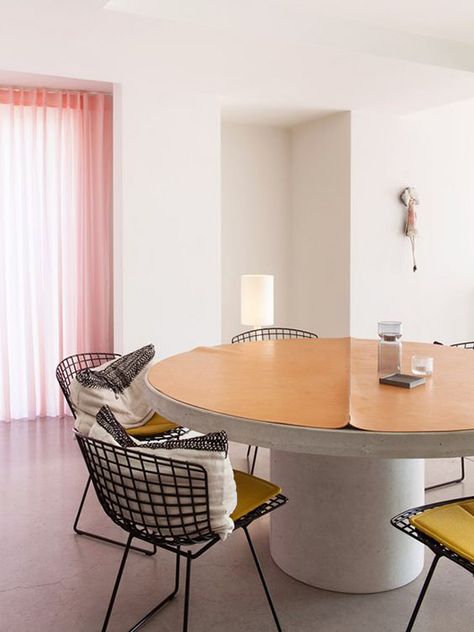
x: 55, y: 241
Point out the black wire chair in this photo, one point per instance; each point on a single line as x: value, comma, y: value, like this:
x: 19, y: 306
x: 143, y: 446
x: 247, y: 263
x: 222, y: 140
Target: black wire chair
x: 163, y: 502
x: 65, y: 372
x: 402, y: 522
x: 461, y: 477
x: 268, y: 333
x: 272, y: 333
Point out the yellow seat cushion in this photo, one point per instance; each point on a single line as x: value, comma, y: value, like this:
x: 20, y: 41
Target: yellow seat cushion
x: 251, y: 493
x: 153, y: 426
x: 450, y: 525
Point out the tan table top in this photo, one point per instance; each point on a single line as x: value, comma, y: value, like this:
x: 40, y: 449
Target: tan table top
x: 324, y: 383
x: 444, y: 403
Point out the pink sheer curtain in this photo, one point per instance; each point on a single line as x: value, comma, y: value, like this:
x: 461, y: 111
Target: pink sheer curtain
x: 55, y: 241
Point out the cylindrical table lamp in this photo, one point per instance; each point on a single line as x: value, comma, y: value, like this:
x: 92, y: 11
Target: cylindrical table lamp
x: 256, y: 300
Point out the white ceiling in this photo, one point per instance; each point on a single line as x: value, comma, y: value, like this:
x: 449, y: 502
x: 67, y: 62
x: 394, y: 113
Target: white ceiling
x: 24, y: 79
x: 324, y: 55
x: 246, y: 113
x: 452, y: 21
x: 279, y: 62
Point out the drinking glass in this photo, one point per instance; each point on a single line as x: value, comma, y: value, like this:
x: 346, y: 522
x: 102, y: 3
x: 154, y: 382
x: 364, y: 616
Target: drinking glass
x: 421, y: 365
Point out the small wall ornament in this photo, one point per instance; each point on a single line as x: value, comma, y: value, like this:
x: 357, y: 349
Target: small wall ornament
x: 410, y: 200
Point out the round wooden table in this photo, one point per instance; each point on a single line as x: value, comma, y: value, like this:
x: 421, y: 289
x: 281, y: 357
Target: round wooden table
x: 346, y: 450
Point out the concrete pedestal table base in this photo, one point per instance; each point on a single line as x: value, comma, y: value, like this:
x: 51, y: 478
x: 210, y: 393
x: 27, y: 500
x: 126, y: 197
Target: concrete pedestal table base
x: 335, y: 532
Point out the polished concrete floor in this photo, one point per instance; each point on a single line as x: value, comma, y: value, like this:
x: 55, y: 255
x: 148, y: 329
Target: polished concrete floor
x: 54, y: 581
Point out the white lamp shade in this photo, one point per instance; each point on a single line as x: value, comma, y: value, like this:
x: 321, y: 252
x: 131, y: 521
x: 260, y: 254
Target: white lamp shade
x: 256, y: 299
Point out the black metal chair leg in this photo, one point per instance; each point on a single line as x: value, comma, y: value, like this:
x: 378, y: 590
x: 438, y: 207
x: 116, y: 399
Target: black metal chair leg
x: 167, y: 599
x: 423, y: 593
x: 252, y: 469
x: 248, y: 452
x: 187, y: 591
x: 102, y: 538
x: 453, y: 482
x: 117, y: 583
x: 81, y: 505
x: 262, y: 579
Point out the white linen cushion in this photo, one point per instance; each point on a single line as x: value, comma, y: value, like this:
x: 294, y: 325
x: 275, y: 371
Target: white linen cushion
x: 209, y: 451
x: 120, y: 384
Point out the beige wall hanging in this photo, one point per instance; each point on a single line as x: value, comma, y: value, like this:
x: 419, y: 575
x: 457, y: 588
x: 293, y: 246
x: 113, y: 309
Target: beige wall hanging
x: 409, y: 198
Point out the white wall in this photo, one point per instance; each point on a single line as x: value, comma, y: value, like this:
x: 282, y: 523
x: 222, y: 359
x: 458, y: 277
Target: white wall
x: 434, y: 152
x: 320, y: 225
x: 168, y: 174
x: 255, y: 215
x: 339, y: 240
x: 286, y: 210
x: 167, y: 163
x: 171, y: 227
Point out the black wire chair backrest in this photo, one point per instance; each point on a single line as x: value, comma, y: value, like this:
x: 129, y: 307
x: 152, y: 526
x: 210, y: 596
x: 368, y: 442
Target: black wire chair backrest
x: 459, y: 345
x: 154, y: 498
x: 272, y: 333
x: 67, y: 369
x: 464, y: 345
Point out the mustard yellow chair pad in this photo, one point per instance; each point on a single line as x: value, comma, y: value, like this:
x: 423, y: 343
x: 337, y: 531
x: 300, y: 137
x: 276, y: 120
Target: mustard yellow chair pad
x: 153, y: 426
x: 251, y: 493
x: 451, y: 525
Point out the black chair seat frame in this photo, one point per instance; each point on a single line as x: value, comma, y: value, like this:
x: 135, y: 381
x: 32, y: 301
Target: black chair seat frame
x: 134, y: 492
x: 402, y: 522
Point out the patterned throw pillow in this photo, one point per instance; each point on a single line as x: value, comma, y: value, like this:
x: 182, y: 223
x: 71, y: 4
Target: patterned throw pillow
x: 117, y: 375
x: 120, y: 384
x: 108, y: 426
x: 209, y: 451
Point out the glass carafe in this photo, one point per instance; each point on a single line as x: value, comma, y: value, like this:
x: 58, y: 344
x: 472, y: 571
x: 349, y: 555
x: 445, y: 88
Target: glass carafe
x: 390, y: 348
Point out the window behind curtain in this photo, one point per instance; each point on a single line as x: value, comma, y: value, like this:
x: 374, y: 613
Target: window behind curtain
x: 55, y: 241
